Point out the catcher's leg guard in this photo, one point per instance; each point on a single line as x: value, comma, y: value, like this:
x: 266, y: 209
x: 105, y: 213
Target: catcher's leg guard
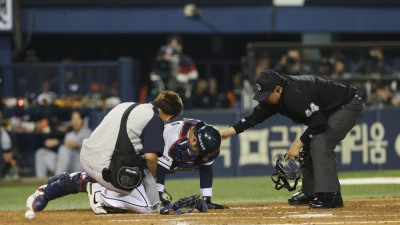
x: 65, y: 184
x: 58, y: 186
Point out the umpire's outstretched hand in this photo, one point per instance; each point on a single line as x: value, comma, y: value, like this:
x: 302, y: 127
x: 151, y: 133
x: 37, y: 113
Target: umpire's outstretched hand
x: 225, y: 134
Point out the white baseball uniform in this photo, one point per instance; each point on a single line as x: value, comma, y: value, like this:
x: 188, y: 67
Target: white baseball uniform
x: 145, y: 129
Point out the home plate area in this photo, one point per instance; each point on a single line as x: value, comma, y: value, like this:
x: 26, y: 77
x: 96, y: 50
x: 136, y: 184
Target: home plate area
x: 356, y: 211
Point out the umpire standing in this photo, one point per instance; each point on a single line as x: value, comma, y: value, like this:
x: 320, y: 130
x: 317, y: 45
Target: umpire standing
x: 330, y: 109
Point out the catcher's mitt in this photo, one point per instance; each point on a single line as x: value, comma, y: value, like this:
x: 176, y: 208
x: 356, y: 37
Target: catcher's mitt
x: 186, y: 205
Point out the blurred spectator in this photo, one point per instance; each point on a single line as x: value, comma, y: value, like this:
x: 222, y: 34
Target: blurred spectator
x: 173, y: 70
x: 374, y: 65
x: 338, y: 68
x: 206, y: 95
x: 333, y: 66
x: 201, y: 97
x: 7, y: 157
x: 237, y: 89
x: 217, y: 99
x: 263, y: 62
x: 67, y: 159
x: 383, y: 96
x: 290, y: 63
x: 326, y: 66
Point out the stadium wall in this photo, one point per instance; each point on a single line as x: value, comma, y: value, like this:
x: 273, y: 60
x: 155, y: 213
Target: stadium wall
x: 374, y: 144
x: 222, y: 19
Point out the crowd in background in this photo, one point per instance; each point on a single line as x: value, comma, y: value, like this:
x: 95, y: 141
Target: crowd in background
x: 172, y: 66
x: 372, y: 68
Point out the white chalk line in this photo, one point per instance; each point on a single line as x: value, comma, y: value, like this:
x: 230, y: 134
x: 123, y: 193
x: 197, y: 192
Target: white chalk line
x: 306, y: 216
x: 320, y: 215
x: 383, y: 205
x: 368, y: 180
x: 351, y: 222
x: 321, y: 223
x: 264, y: 207
x: 296, y: 207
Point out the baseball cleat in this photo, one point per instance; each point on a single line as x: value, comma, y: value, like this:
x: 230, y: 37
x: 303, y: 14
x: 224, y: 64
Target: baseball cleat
x: 37, y: 201
x: 300, y: 198
x: 327, y: 200
x: 96, y: 206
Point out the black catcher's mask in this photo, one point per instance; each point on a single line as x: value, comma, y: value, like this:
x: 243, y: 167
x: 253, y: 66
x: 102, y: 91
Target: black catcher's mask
x: 288, y: 170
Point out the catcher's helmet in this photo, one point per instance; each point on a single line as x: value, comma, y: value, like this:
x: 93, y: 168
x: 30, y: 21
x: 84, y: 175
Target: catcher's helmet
x: 288, y: 170
x: 208, y: 138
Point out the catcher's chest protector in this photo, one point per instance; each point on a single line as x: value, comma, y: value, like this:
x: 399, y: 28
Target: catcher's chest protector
x: 126, y: 170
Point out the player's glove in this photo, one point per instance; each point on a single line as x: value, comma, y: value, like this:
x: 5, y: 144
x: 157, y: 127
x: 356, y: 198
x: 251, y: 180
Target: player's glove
x: 165, y: 197
x: 211, y: 205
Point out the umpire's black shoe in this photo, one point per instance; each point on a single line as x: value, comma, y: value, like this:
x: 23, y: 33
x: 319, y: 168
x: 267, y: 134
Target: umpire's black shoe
x: 300, y: 199
x: 327, y: 200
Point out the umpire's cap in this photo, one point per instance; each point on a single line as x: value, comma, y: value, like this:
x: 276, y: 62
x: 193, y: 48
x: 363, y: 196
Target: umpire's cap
x: 266, y: 83
x: 208, y: 138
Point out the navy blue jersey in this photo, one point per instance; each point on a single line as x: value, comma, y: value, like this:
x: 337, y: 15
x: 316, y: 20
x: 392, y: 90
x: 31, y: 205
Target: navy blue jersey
x: 177, y: 156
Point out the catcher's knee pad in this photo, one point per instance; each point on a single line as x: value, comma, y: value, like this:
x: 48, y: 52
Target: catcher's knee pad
x: 65, y: 184
x: 80, y: 179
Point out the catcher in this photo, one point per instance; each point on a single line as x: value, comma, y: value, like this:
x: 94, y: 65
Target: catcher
x: 190, y: 145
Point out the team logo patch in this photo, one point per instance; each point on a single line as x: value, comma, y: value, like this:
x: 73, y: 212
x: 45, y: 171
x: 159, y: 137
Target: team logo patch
x: 258, y: 87
x: 313, y: 108
x: 201, y: 143
x: 131, y: 171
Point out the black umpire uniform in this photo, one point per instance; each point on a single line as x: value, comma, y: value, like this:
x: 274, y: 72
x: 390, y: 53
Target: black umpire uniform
x: 330, y: 109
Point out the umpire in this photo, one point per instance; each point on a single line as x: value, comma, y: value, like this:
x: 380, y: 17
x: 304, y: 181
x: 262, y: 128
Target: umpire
x: 330, y: 109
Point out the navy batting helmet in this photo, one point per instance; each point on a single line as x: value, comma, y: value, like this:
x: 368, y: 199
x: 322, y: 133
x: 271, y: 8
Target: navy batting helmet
x: 208, y: 138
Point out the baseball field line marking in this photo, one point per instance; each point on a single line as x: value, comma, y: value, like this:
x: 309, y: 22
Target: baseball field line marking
x: 352, y: 222
x: 369, y: 180
x: 148, y: 220
x: 321, y: 223
x: 311, y: 214
x: 385, y: 205
x: 320, y: 215
x: 293, y: 207
x: 124, y: 214
x: 264, y: 207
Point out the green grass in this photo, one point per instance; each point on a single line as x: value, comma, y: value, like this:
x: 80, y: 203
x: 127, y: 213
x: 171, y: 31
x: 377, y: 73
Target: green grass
x: 261, y: 189
x: 225, y: 190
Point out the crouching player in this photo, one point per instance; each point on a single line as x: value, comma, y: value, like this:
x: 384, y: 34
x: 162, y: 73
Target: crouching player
x: 190, y: 145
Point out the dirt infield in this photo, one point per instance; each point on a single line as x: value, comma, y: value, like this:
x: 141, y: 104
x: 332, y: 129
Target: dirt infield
x: 356, y: 211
